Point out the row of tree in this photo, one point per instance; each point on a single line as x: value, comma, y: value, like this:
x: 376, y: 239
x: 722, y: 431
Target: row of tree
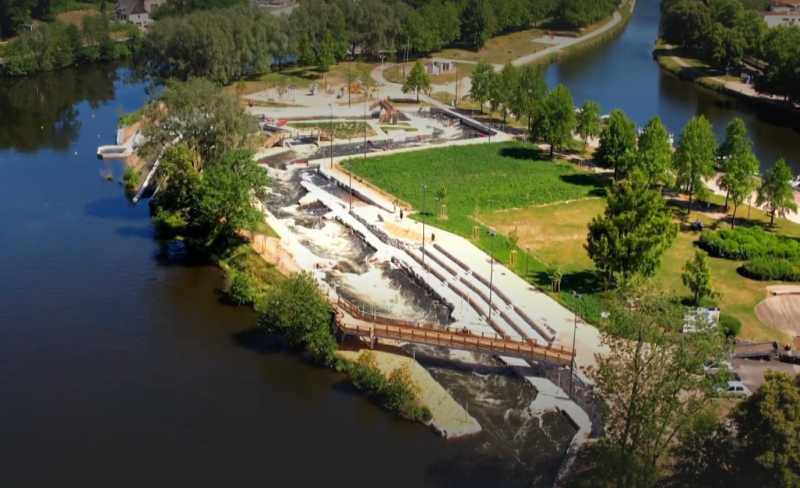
x: 220, y: 45
x: 56, y: 45
x: 722, y: 32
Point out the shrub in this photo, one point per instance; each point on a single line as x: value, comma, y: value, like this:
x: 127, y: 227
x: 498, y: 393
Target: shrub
x: 241, y: 289
x: 131, y: 118
x: 131, y: 177
x: 769, y: 268
x: 731, y: 326
x: 743, y: 244
x: 168, y: 225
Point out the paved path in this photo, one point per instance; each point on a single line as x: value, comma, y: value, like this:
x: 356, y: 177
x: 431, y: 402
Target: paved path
x: 558, y: 43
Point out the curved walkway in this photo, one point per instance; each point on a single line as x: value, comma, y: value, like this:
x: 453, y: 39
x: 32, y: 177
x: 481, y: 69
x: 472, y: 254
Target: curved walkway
x: 559, y: 43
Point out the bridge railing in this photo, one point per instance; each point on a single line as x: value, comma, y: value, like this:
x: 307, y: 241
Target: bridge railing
x: 560, y: 355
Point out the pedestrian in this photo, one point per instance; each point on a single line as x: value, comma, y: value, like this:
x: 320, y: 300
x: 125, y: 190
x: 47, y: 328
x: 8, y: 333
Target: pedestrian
x: 401, y: 214
x: 433, y: 237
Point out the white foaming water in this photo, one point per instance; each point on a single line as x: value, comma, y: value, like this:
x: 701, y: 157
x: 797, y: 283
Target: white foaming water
x: 376, y: 290
x: 332, y: 239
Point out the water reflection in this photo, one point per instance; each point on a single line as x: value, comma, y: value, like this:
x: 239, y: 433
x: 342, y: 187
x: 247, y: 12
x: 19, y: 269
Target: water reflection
x: 622, y: 74
x: 39, y: 112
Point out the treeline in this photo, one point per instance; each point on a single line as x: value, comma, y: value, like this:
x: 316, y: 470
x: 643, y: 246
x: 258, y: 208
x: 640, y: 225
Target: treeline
x: 242, y: 41
x: 221, y: 45
x: 722, y: 32
x: 15, y: 13
x: 56, y: 45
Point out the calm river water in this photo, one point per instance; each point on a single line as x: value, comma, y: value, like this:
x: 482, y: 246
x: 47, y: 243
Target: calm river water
x: 622, y: 74
x: 120, y: 367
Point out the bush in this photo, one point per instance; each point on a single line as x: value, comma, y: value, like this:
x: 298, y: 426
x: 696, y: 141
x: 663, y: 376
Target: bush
x: 167, y: 225
x: 241, y: 289
x: 731, y: 326
x: 131, y: 177
x: 397, y: 394
x: 769, y: 268
x: 743, y: 244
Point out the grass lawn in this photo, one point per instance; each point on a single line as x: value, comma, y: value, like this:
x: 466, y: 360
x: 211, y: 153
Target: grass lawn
x: 558, y: 232
x: 500, y: 49
x: 398, y: 127
x: 341, y: 130
x: 394, y: 74
x: 303, y: 78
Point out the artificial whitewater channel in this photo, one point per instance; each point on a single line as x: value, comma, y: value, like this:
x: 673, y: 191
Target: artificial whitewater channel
x: 524, y: 448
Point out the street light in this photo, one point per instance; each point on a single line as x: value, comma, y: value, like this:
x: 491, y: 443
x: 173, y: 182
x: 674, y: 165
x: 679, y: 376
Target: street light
x: 349, y: 80
x: 527, y: 255
x: 574, y: 335
x: 445, y: 92
x: 455, y: 57
x: 332, y: 133
x: 424, y: 192
x: 350, y: 170
x: 365, y: 126
x: 491, y: 272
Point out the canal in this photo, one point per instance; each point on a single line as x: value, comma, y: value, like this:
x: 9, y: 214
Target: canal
x: 623, y: 74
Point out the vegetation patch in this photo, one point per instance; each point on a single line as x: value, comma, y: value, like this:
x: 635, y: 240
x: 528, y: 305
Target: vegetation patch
x: 127, y: 120
x: 745, y: 243
x: 339, y: 130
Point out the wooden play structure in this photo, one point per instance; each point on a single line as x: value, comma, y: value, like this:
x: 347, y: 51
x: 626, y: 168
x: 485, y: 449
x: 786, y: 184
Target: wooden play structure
x: 386, y: 110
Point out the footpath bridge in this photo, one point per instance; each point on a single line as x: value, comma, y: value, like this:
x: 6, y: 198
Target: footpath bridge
x: 372, y: 327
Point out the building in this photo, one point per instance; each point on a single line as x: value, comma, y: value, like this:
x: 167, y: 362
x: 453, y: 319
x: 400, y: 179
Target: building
x: 135, y: 11
x: 774, y: 19
x: 784, y: 6
x: 438, y: 66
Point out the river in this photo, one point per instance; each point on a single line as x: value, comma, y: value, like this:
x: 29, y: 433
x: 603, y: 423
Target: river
x: 622, y: 74
x: 121, y: 366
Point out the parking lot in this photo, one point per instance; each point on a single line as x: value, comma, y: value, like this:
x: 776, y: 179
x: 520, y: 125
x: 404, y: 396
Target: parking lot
x: 752, y: 372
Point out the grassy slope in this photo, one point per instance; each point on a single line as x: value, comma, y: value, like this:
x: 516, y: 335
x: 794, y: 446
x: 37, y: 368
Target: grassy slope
x: 515, y: 188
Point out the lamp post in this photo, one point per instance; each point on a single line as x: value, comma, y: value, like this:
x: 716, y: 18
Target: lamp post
x: 491, y: 272
x: 350, y: 170
x: 332, y: 133
x: 527, y: 255
x: 365, y: 127
x: 455, y: 57
x: 574, y: 335
x: 349, y: 80
x: 424, y: 192
x: 446, y: 95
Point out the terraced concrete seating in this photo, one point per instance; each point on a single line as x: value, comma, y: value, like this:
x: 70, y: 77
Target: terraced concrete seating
x: 545, y: 331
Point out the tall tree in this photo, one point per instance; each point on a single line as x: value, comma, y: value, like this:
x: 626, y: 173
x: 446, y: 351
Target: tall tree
x: 644, y: 377
x: 633, y: 233
x: 481, y: 83
x: 507, y: 84
x: 179, y: 182
x: 617, y: 143
x: 695, y: 157
x: 776, y: 193
x: 685, y: 23
x: 589, y: 121
x: 654, y: 153
x: 697, y: 276
x: 307, y: 56
x: 738, y: 163
x: 528, y: 95
x: 326, y: 55
x: 766, y: 426
x: 200, y: 115
x: 724, y: 46
x: 780, y: 51
x: 556, y: 119
x: 474, y: 24
x: 418, y: 80
x: 228, y: 187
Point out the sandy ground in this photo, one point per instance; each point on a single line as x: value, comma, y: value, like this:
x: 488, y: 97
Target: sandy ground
x: 781, y: 312
x: 448, y: 415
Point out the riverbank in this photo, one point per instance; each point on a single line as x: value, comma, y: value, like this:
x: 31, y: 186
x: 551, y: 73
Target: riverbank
x: 689, y: 69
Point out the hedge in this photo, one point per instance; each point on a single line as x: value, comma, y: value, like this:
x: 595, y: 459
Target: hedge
x: 748, y: 243
x: 769, y: 268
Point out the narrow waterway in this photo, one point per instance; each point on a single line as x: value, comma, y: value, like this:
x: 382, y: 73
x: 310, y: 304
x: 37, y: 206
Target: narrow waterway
x: 623, y: 74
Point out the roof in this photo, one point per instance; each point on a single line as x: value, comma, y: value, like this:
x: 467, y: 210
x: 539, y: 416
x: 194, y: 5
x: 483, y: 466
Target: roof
x: 785, y: 2
x: 779, y: 14
x: 138, y: 8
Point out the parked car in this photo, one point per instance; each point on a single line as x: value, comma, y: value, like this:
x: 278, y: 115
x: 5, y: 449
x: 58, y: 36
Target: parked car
x: 734, y: 389
x: 712, y: 366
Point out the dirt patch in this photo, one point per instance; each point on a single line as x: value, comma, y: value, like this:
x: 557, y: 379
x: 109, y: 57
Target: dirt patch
x: 782, y: 313
x: 74, y: 17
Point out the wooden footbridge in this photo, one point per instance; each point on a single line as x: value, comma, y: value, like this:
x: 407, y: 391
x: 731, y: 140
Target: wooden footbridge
x: 350, y: 320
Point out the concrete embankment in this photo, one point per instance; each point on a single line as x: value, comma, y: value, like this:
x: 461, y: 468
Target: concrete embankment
x: 449, y: 419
